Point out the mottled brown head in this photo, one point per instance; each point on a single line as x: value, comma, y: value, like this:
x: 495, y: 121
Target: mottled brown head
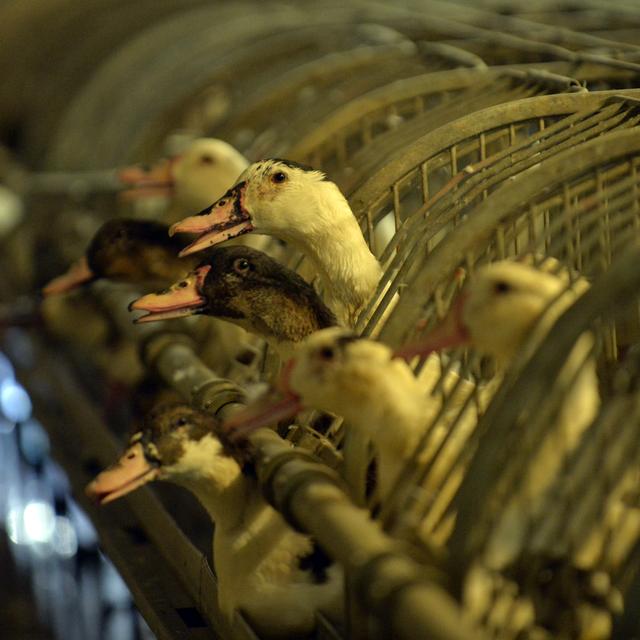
x: 167, y: 428
x: 177, y: 442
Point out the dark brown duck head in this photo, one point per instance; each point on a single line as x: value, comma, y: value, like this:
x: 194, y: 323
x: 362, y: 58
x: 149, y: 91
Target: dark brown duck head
x: 247, y: 287
x: 125, y: 250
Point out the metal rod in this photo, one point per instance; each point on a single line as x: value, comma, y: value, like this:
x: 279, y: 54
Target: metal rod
x: 400, y: 593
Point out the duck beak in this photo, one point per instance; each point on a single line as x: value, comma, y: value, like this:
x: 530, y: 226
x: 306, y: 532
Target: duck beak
x: 276, y: 405
x: 130, y: 472
x: 224, y: 219
x: 78, y: 274
x: 264, y: 413
x: 141, y: 183
x: 450, y: 332
x: 182, y: 299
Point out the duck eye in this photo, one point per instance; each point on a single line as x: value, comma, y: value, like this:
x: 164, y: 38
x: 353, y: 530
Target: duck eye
x: 326, y: 353
x: 501, y: 287
x: 206, y: 160
x: 279, y: 177
x: 183, y: 284
x: 180, y: 422
x: 222, y: 202
x: 241, y: 265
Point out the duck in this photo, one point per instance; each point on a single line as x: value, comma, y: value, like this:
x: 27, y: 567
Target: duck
x: 300, y: 206
x: 364, y: 382
x: 125, y: 250
x: 379, y: 386
x: 248, y: 288
x: 190, y: 180
x: 264, y: 568
x: 141, y: 253
x: 504, y: 312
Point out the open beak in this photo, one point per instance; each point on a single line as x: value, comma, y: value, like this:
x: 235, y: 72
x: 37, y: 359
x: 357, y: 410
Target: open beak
x: 130, y: 472
x: 182, y: 299
x: 450, y: 332
x: 224, y: 219
x: 141, y: 183
x: 77, y: 275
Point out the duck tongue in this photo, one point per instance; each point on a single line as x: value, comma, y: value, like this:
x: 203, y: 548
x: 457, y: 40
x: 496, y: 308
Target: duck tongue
x: 141, y: 183
x: 79, y: 273
x: 450, y: 332
x: 130, y: 472
x: 224, y: 219
x: 182, y: 299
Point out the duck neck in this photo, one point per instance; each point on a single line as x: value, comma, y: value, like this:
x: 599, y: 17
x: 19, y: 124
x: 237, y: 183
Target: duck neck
x: 334, y: 244
x: 393, y: 418
x: 225, y: 493
x: 252, y: 545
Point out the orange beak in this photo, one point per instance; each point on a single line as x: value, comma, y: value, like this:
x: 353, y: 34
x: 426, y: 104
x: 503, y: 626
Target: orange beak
x: 182, y: 299
x: 78, y: 274
x: 156, y: 181
x: 276, y: 405
x: 130, y: 472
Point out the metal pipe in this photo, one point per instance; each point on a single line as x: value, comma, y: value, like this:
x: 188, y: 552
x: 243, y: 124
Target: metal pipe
x: 399, y: 593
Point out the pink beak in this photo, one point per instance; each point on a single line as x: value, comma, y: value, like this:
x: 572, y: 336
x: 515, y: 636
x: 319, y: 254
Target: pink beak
x: 263, y: 413
x: 78, y: 274
x: 268, y: 410
x: 450, y: 332
x: 130, y: 472
x: 224, y: 219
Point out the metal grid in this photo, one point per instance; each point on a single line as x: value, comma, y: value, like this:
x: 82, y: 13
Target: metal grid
x: 429, y: 186
x: 407, y: 111
x: 544, y: 176
x: 580, y: 208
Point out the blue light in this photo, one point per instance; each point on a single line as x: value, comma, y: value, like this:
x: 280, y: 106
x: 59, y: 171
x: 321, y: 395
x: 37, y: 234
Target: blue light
x: 34, y: 442
x: 6, y: 369
x: 114, y: 589
x: 85, y: 531
x: 14, y: 401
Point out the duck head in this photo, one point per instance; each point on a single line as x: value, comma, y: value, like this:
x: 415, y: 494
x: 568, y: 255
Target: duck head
x: 200, y: 174
x: 333, y: 370
x: 126, y: 250
x: 275, y: 197
x: 496, y: 312
x: 245, y: 286
x: 177, y: 443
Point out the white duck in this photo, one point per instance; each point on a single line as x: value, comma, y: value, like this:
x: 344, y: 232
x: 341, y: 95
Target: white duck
x: 191, y: 180
x: 361, y: 380
x: 506, y: 306
x: 300, y: 206
x: 257, y: 555
x: 378, y: 395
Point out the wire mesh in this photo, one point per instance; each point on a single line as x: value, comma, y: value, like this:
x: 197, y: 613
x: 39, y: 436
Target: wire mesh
x: 466, y: 166
x: 581, y: 209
